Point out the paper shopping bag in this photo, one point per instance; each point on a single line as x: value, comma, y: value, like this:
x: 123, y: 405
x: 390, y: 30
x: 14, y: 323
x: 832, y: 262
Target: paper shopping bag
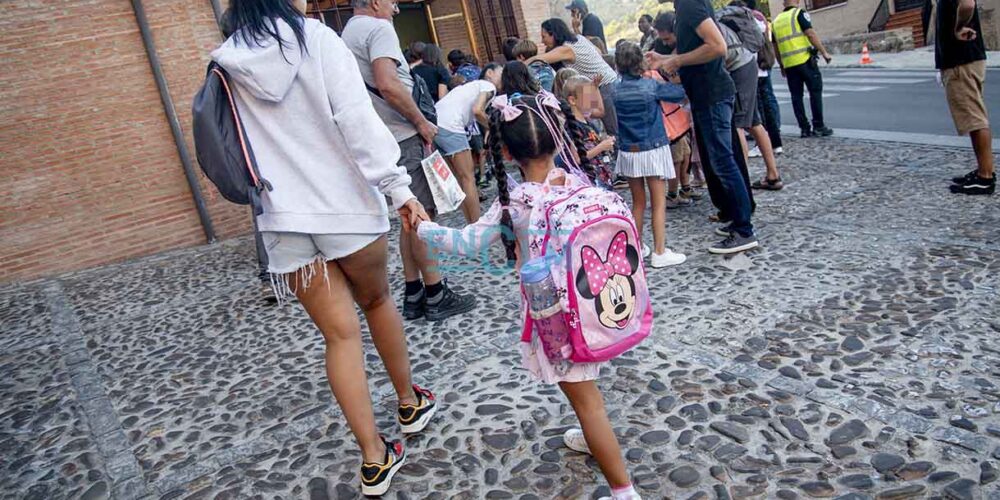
x: 448, y: 195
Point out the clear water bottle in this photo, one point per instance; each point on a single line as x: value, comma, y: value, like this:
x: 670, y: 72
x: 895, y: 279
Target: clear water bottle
x: 550, y: 326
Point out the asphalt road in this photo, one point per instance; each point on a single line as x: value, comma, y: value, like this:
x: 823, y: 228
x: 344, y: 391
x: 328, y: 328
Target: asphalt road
x: 908, y: 101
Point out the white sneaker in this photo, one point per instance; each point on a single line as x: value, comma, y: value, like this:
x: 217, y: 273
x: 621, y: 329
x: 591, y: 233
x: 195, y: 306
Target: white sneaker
x: 646, y: 251
x: 575, y: 441
x: 778, y: 150
x: 667, y: 258
x: 755, y: 152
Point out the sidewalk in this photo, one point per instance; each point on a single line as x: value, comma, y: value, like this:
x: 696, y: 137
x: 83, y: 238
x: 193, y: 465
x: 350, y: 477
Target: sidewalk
x: 828, y: 363
x: 922, y: 58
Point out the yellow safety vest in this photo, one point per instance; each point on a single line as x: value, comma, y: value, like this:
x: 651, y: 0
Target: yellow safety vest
x: 793, y: 44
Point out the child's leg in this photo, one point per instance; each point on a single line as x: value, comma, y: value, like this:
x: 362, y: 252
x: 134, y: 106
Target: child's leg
x: 589, y: 407
x: 638, y: 188
x: 658, y: 201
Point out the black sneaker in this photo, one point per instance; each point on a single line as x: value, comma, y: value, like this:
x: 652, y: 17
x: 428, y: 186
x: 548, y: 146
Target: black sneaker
x: 975, y: 185
x: 724, y: 231
x: 806, y: 134
x: 414, y: 418
x: 967, y: 177
x: 376, y: 478
x: 449, y: 305
x: 823, y: 132
x: 414, y: 306
x: 734, y: 243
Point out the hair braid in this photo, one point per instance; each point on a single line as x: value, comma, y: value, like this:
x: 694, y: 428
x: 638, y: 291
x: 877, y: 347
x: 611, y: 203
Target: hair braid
x: 576, y: 132
x: 506, y: 224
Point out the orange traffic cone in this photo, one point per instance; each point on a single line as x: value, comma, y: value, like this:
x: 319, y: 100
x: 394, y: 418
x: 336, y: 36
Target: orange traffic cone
x: 865, y: 58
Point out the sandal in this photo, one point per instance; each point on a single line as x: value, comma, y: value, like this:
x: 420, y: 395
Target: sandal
x: 768, y: 184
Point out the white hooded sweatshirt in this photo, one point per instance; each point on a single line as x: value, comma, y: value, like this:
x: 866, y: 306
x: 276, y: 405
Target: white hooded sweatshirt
x: 315, y: 134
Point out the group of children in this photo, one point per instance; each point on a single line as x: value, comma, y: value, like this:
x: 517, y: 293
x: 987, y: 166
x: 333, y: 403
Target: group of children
x: 555, y: 141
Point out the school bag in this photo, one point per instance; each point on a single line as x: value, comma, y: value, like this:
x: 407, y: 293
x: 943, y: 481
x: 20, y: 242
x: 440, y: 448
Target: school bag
x: 676, y: 119
x: 742, y: 22
x: 221, y: 143
x: 736, y: 52
x: 597, y: 270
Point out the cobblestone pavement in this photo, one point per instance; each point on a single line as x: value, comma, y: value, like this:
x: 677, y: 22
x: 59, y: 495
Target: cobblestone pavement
x: 855, y: 355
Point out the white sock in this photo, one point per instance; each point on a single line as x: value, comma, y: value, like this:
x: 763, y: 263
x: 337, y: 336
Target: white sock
x: 626, y: 493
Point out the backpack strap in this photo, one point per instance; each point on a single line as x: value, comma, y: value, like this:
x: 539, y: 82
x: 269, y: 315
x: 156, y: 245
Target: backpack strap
x: 257, y: 181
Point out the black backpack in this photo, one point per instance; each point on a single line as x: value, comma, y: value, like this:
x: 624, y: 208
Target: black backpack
x: 221, y: 143
x: 740, y: 20
x: 421, y: 95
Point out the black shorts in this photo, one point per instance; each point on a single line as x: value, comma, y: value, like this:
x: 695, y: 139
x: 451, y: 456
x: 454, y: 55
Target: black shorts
x: 411, y: 152
x: 745, y: 107
x: 476, y: 143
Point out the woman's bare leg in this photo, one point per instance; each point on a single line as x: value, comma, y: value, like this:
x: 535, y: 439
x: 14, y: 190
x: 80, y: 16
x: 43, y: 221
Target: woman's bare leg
x: 588, y: 404
x: 759, y: 134
x: 331, y: 308
x: 367, y: 273
x: 462, y: 166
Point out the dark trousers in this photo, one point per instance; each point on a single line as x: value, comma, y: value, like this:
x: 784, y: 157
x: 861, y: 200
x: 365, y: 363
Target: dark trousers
x: 808, y: 75
x: 767, y: 104
x: 725, y: 172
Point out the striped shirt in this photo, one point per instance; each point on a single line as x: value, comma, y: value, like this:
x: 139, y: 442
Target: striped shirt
x: 589, y: 62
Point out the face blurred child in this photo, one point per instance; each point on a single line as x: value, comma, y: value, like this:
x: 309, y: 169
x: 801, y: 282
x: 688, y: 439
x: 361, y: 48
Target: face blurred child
x: 584, y: 100
x: 526, y: 129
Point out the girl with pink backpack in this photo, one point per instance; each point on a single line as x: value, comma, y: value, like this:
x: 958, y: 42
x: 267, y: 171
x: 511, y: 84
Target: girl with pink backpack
x: 577, y: 250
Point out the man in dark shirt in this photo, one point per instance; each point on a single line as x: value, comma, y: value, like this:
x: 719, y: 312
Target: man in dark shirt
x: 586, y: 23
x: 960, y: 55
x: 700, y: 52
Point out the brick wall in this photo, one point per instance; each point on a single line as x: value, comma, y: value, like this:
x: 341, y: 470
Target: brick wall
x: 93, y: 175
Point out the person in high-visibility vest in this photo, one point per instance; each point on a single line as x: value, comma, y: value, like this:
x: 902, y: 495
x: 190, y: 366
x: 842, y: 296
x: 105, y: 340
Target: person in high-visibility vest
x: 796, y: 43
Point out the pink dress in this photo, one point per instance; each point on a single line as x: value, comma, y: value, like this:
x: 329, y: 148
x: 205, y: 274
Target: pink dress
x: 486, y: 231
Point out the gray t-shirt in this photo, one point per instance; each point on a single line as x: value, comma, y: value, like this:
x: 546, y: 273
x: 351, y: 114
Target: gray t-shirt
x: 370, y: 38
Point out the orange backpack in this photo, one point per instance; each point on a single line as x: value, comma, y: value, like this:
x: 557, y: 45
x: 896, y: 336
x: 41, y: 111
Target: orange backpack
x: 676, y: 119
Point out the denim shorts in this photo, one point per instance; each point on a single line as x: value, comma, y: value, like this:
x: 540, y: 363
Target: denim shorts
x: 307, y: 255
x: 451, y: 143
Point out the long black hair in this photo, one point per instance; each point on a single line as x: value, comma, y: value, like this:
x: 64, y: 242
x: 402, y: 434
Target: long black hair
x: 559, y: 30
x: 517, y: 79
x: 254, y: 21
x: 486, y: 69
x: 527, y: 137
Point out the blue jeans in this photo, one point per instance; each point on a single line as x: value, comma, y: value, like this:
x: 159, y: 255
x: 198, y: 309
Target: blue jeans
x: 714, y: 130
x: 767, y: 103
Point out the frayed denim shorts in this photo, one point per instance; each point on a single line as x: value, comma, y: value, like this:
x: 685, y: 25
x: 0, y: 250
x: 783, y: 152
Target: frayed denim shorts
x: 307, y: 254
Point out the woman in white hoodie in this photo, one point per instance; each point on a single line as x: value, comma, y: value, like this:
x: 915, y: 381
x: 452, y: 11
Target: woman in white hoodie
x: 332, y: 162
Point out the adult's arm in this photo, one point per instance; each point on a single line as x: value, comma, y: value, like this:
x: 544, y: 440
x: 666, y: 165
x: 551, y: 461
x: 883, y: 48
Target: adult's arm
x: 965, y: 10
x: 713, y: 48
x: 556, y: 55
x: 815, y: 41
x: 479, y: 108
x: 442, y: 91
x: 366, y: 137
x: 670, y: 92
x: 399, y: 97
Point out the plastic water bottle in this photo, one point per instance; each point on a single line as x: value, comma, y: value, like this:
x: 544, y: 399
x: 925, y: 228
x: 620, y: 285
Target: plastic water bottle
x: 550, y: 326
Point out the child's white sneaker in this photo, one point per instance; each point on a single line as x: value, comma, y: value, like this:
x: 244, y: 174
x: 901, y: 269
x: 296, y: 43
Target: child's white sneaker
x: 575, y: 441
x: 667, y: 258
x: 646, y: 251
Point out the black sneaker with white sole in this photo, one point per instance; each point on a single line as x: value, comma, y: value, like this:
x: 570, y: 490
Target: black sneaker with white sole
x: 734, y: 243
x: 962, y: 179
x: 376, y: 478
x: 448, y: 304
x: 975, y: 185
x: 414, y: 418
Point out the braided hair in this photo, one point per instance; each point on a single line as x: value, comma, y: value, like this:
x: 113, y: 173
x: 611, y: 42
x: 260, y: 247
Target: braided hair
x: 578, y: 133
x: 527, y: 137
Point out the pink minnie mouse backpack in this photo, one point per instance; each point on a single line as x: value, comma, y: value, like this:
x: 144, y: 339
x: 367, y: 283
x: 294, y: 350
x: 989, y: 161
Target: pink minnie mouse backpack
x: 597, y: 269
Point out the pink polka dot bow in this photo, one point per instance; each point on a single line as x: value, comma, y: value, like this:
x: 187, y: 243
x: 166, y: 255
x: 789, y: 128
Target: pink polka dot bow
x: 600, y: 271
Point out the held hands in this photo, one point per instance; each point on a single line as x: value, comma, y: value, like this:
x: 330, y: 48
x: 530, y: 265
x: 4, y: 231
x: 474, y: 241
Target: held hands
x: 965, y: 34
x: 412, y: 214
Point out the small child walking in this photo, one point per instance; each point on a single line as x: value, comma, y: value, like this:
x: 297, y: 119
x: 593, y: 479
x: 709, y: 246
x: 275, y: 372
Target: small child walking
x: 527, y: 129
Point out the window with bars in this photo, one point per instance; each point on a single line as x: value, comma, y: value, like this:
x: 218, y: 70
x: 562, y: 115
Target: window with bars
x: 333, y: 13
x: 497, y: 22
